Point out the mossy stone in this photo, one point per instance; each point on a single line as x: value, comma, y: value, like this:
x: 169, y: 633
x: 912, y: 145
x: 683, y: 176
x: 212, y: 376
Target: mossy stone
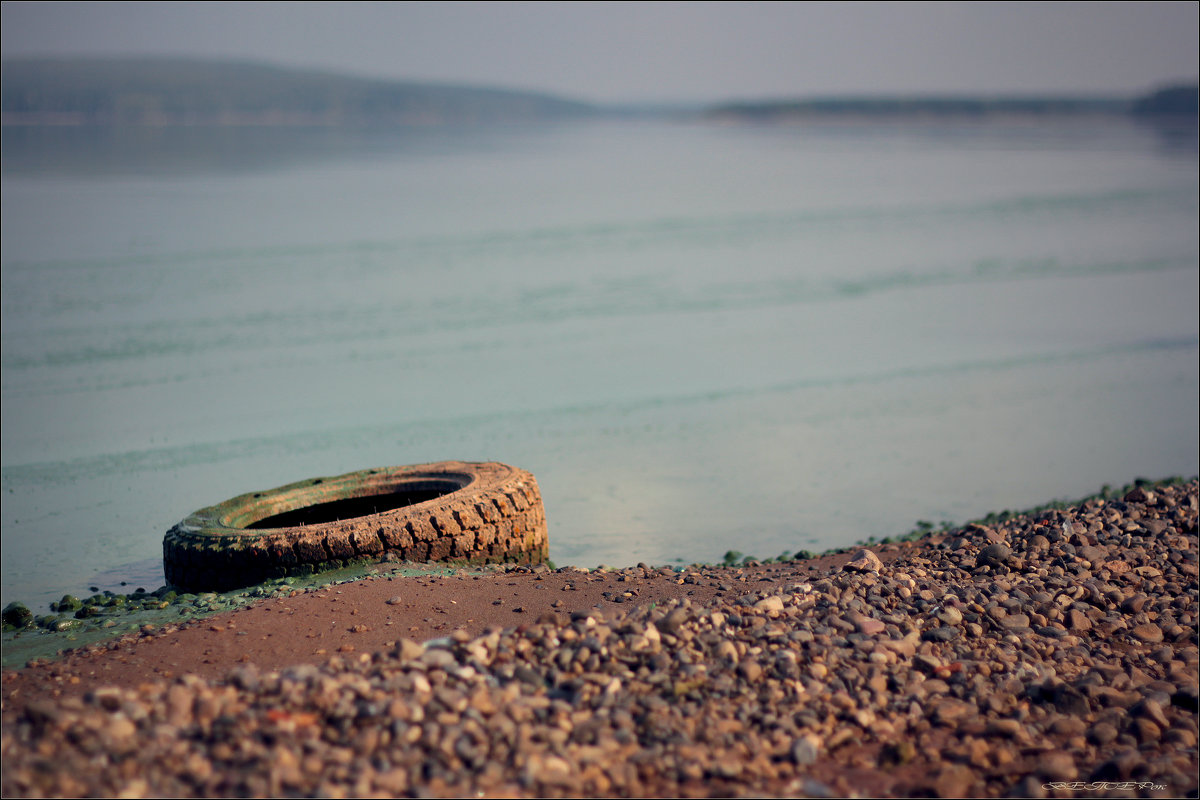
x: 16, y: 615
x: 69, y: 602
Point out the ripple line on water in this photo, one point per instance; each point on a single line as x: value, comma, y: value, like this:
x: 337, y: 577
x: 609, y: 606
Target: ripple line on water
x: 587, y: 236
x: 384, y: 320
x: 180, y: 456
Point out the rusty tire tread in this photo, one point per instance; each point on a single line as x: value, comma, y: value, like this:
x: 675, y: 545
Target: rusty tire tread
x: 495, y: 516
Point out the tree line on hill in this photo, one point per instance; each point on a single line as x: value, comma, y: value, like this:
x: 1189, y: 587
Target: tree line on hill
x: 1178, y: 102
x: 172, y: 92
x: 147, y: 91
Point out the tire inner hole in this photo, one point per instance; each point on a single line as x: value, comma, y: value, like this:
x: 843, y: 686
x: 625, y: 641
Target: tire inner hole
x: 351, y: 507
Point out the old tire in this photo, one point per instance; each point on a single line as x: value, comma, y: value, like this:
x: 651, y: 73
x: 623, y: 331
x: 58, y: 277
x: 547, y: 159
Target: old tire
x: 451, y: 511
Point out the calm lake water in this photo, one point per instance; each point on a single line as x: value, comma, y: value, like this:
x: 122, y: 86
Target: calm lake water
x: 698, y: 338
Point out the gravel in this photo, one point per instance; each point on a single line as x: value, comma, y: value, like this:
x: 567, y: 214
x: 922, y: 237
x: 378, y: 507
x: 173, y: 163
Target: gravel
x: 1010, y: 659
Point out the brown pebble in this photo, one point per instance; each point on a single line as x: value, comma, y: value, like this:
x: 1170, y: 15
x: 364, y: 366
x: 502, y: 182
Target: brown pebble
x: 869, y: 626
x: 1148, y: 632
x: 1134, y: 604
x: 750, y: 670
x: 950, y: 711
x: 1102, y: 733
x: 994, y: 555
x: 1078, y: 621
x: 1069, y: 727
x: 1122, y: 766
x: 1015, y: 621
x: 954, y: 780
x: 1145, y: 731
x: 863, y: 560
x: 1009, y: 728
x: 1151, y: 710
x: 1057, y: 766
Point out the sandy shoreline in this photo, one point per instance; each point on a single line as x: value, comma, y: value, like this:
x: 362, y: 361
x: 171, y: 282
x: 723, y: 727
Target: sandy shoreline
x: 374, y: 613
x: 990, y: 660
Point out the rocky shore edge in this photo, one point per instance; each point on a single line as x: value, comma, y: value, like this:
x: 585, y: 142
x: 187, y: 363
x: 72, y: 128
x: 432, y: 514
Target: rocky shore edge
x: 1046, y: 654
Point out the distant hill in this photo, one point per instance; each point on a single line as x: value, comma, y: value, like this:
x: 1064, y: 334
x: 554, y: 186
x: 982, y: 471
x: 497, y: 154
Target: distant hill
x: 166, y: 92
x: 1174, y: 101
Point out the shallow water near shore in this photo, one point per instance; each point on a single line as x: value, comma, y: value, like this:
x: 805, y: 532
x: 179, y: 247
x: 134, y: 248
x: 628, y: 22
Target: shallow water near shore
x: 697, y: 338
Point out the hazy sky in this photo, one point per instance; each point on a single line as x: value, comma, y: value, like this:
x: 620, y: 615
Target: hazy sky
x: 657, y: 51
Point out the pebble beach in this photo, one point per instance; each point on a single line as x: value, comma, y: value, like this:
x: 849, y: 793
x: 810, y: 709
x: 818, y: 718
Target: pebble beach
x: 1050, y: 654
